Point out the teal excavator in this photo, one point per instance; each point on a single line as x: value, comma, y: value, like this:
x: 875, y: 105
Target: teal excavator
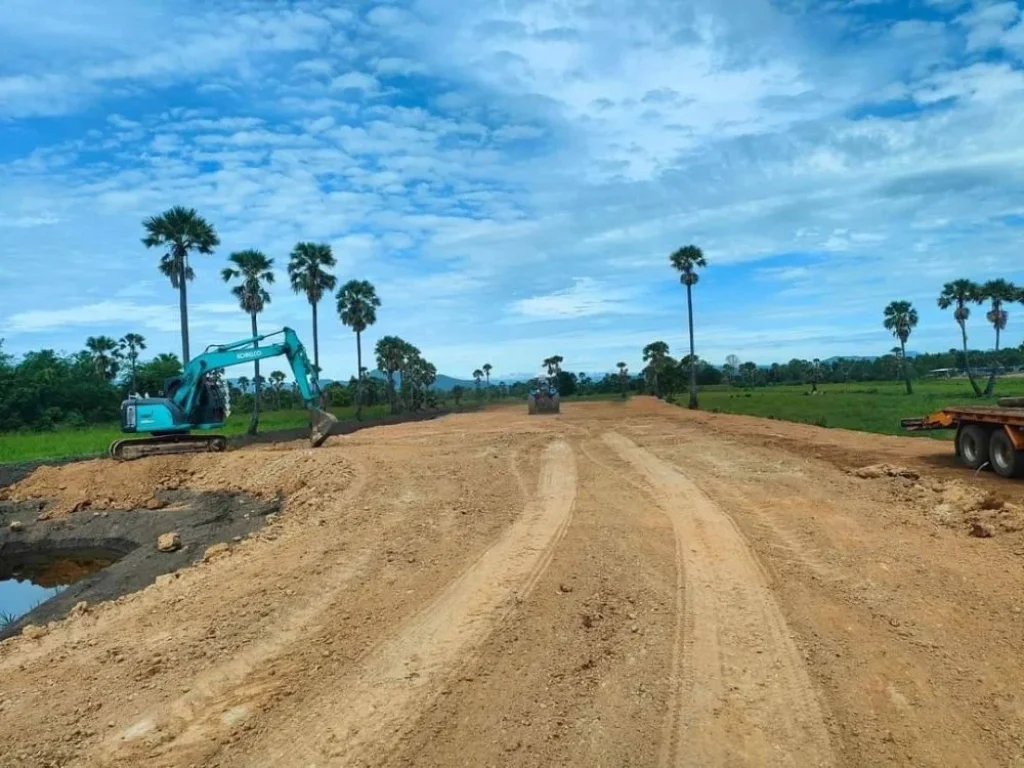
x: 193, y: 402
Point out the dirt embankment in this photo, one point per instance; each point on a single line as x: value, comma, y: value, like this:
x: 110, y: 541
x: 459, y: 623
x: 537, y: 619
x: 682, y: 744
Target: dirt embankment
x: 622, y: 584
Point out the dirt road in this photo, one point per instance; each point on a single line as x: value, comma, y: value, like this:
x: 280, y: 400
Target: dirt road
x: 620, y: 585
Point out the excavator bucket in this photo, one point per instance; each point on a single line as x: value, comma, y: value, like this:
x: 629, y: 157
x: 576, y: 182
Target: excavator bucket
x: 321, y: 424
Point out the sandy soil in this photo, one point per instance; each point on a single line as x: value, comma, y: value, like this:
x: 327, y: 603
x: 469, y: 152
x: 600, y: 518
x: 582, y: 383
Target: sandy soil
x: 623, y: 584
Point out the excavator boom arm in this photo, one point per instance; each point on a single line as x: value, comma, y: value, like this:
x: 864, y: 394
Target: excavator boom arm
x: 247, y: 351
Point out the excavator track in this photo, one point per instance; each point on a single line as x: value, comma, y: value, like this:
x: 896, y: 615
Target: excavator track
x: 140, y: 447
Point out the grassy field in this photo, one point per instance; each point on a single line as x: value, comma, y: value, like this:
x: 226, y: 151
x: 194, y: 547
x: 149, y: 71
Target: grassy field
x: 32, y: 446
x: 868, y: 406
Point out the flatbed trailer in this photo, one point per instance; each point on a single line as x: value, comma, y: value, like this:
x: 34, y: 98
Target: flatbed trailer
x: 985, y: 435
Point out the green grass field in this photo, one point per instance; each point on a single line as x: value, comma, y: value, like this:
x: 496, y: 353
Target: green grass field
x: 867, y: 406
x: 32, y: 446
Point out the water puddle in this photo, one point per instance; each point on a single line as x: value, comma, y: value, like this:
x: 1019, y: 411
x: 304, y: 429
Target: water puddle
x: 34, y: 575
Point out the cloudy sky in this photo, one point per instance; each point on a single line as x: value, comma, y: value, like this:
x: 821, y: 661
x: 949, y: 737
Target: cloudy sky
x: 512, y: 174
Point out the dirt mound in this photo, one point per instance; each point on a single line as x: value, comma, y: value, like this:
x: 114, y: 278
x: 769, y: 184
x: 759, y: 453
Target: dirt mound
x: 104, y: 484
x: 101, y: 484
x: 957, y: 504
x: 271, y: 473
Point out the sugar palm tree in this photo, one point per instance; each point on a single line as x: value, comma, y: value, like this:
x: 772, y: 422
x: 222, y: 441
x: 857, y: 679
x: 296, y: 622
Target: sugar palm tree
x: 180, y: 231
x: 307, y: 271
x: 900, y: 320
x: 357, y: 308
x: 999, y: 292
x: 686, y: 260
x: 105, y: 354
x: 253, y: 268
x: 623, y: 376
x: 243, y: 384
x: 554, y: 364
x: 958, y: 294
x: 131, y: 344
x: 654, y: 355
x: 477, y: 377
x: 487, y: 368
x: 389, y: 352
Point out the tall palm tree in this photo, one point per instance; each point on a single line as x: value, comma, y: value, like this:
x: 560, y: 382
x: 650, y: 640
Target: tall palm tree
x: 357, y: 308
x: 654, y: 355
x: 131, y: 344
x: 105, y: 354
x: 686, y: 260
x: 900, y: 320
x: 487, y: 368
x: 999, y: 292
x: 389, y: 352
x: 409, y: 354
x: 958, y: 294
x: 307, y: 270
x: 477, y: 377
x: 554, y: 364
x: 253, y: 268
x: 181, y: 231
x: 623, y: 376
x: 243, y: 384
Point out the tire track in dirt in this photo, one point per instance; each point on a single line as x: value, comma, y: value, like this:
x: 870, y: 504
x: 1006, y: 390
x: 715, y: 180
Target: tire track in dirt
x: 743, y: 694
x: 372, y: 709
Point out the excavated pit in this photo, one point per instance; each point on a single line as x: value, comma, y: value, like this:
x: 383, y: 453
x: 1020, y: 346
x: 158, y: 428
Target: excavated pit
x: 99, y: 555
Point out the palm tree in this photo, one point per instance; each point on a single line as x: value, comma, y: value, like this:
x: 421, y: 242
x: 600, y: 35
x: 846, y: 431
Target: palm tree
x: 958, y: 293
x: 409, y: 354
x: 357, y: 308
x: 180, y: 230
x: 254, y: 270
x: 553, y: 364
x: 654, y: 355
x: 307, y: 270
x: 243, y: 384
x: 901, y: 319
x: 998, y: 292
x: 487, y: 367
x: 389, y: 352
x: 104, y: 353
x: 277, y: 380
x: 477, y: 376
x: 130, y: 345
x: 686, y: 260
x: 623, y: 376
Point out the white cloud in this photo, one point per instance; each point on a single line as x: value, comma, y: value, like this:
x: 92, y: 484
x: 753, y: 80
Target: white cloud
x: 586, y: 298
x: 359, y: 81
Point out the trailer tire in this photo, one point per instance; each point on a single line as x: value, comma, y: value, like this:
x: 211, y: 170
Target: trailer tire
x: 1006, y: 460
x: 972, y: 445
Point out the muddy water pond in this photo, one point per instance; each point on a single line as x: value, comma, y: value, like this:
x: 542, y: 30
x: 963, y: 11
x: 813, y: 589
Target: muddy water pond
x: 35, y: 574
x: 95, y: 556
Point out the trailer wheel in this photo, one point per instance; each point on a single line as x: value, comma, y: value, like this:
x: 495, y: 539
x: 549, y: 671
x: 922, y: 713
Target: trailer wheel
x: 972, y: 442
x: 1006, y: 460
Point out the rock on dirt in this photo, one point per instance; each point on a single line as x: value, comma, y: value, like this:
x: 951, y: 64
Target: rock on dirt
x: 981, y: 530
x: 169, y: 542
x: 33, y: 632
x: 885, y: 470
x: 17, y: 525
x: 216, y: 551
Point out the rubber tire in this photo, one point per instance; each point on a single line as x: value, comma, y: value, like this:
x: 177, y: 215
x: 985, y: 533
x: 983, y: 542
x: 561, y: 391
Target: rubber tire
x: 972, y: 445
x: 1004, y: 457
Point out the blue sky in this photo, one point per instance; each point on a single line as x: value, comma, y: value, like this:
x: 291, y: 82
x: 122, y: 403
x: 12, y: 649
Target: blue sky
x: 511, y: 174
